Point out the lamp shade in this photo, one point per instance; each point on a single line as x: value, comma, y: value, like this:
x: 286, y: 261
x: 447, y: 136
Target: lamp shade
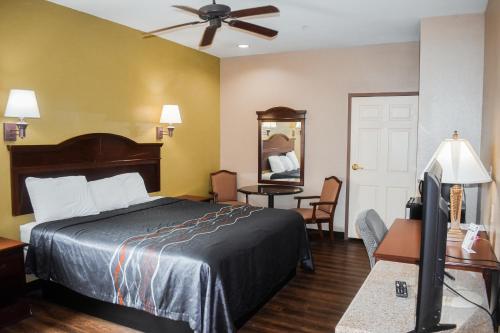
x: 22, y: 104
x: 269, y: 124
x: 170, y: 114
x: 459, y: 162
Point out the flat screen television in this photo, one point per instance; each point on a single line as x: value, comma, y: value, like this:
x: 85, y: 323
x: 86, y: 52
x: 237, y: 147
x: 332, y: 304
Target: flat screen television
x: 432, y: 255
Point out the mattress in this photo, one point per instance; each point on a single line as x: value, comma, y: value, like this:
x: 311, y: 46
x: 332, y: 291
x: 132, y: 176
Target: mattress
x: 26, y: 231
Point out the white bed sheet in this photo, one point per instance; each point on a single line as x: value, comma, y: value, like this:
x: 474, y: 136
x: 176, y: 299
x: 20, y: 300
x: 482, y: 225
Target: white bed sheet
x: 26, y: 231
x: 267, y: 175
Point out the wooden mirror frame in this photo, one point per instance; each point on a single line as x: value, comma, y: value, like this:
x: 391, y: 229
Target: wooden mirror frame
x: 282, y: 114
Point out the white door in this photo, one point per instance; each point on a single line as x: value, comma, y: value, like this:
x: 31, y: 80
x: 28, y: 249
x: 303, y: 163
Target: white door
x: 383, y: 156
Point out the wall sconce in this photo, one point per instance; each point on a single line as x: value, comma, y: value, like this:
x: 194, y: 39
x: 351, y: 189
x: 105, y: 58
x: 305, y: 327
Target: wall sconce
x: 268, y: 125
x: 296, y: 126
x: 170, y: 115
x: 21, y: 104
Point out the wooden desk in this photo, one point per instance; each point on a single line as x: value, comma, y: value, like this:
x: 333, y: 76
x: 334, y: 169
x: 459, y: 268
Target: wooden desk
x: 402, y: 244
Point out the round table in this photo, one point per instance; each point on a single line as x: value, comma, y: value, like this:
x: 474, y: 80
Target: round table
x: 270, y: 191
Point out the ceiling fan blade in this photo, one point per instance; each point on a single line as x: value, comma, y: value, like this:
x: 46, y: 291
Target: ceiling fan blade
x: 253, y: 28
x: 188, y: 9
x: 151, y: 33
x: 208, y: 35
x: 254, y: 11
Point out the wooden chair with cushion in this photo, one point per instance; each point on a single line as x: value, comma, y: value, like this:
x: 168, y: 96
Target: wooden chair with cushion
x: 225, y: 189
x: 323, y: 210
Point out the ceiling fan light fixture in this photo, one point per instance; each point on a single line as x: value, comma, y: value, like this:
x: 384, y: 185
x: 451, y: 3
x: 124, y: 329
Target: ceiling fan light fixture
x: 243, y: 46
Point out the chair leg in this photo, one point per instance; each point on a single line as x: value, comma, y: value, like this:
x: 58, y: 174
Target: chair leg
x: 330, y: 229
x: 320, y: 229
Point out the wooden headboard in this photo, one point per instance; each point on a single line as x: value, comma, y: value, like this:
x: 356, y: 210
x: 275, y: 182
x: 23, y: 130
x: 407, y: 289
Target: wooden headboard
x: 277, y: 144
x: 95, y: 156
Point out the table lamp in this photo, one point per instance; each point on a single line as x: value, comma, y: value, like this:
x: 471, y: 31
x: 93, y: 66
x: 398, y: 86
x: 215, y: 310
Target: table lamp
x: 461, y: 166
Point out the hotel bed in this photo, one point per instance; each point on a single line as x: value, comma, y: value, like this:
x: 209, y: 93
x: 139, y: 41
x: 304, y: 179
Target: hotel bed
x: 204, y: 264
x: 196, y: 262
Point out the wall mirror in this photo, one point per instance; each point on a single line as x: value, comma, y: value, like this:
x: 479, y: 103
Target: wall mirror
x: 281, y: 133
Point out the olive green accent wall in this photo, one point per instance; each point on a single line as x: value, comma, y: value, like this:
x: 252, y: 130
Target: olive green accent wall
x: 91, y: 75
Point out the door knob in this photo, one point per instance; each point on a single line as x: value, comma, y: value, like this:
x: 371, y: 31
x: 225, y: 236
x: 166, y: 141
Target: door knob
x: 356, y: 166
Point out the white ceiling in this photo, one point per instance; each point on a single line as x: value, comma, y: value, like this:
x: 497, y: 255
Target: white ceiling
x: 302, y: 24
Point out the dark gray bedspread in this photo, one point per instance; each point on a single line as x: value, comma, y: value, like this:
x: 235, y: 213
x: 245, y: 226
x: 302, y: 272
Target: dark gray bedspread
x: 286, y: 174
x: 204, y: 264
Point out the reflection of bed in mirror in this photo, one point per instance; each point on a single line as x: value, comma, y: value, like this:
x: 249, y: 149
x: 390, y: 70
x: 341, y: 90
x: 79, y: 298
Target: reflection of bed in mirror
x: 279, y: 145
x: 281, y: 134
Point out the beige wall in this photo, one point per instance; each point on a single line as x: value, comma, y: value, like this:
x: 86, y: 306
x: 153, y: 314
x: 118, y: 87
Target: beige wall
x: 317, y: 81
x: 490, y: 152
x: 91, y: 75
x: 451, y: 87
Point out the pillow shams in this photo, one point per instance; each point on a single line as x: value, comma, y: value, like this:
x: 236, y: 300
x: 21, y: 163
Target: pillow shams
x: 287, y: 163
x: 108, y: 194
x: 60, y: 198
x: 276, y: 164
x: 134, y: 188
x: 293, y: 157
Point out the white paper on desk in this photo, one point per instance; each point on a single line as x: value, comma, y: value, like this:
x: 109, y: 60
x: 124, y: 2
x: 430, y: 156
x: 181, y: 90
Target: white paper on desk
x: 470, y: 237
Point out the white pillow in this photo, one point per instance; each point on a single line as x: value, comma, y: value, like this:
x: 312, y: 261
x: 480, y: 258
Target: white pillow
x: 276, y: 165
x: 134, y: 188
x: 108, y: 194
x: 60, y: 198
x: 293, y: 157
x: 286, y: 163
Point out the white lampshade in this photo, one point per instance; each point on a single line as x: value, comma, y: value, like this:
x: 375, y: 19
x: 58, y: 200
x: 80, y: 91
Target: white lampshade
x: 459, y: 162
x: 269, y: 124
x: 22, y: 104
x: 170, y: 114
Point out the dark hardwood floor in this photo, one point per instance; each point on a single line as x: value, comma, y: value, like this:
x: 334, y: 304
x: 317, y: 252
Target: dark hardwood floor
x: 316, y: 302
x: 309, y: 303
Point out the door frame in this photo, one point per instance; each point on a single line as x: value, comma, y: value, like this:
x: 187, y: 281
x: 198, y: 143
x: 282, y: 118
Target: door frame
x: 348, y: 163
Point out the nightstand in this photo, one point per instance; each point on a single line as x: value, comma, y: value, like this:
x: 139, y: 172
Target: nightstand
x: 12, y: 282
x: 195, y: 198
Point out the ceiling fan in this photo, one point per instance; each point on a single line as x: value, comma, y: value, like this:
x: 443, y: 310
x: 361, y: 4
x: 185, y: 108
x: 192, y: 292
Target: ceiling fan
x: 216, y: 13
